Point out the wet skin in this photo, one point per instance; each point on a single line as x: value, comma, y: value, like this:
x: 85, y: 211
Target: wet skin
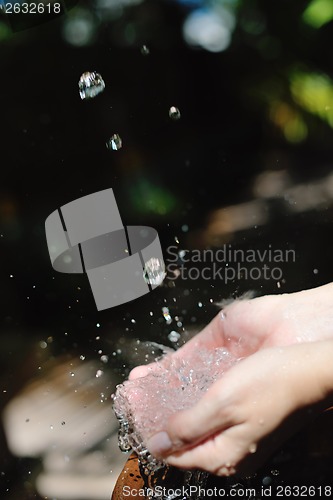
x: 283, y: 380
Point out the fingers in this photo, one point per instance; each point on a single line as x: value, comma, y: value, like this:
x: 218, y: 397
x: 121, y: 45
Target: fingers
x: 214, y: 412
x: 230, y: 452
x: 140, y: 371
x: 219, y: 455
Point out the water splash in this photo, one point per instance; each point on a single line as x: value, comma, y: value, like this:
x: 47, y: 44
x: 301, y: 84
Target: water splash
x: 144, y: 405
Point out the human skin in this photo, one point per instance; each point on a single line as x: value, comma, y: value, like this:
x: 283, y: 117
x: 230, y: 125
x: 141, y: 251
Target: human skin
x: 284, y: 378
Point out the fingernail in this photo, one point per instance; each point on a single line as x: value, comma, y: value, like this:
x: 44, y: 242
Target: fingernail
x: 159, y: 443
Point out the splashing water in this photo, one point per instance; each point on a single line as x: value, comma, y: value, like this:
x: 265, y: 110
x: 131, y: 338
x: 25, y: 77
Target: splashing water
x: 144, y: 405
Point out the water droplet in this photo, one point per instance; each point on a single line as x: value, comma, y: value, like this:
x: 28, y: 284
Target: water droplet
x: 173, y: 336
x: 11, y: 276
x: 315, y: 271
x: 98, y: 325
x: 90, y: 85
x: 174, y: 113
x: 63, y: 422
x: 72, y: 374
x: 278, y: 284
x: 104, y: 358
x: 145, y: 50
x: 133, y: 320
x: 199, y: 304
x: 115, y: 143
x: 154, y: 271
x: 266, y: 480
x: 82, y: 357
x: 177, y: 240
x: 185, y: 228
x: 43, y: 344
x: 275, y: 472
x: 166, y: 314
x: 51, y: 427
x: 99, y: 373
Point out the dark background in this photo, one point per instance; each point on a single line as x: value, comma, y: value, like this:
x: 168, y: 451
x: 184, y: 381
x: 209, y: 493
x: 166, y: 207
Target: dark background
x: 168, y: 173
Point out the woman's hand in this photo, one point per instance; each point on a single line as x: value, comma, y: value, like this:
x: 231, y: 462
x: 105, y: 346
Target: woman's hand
x: 246, y: 414
x: 255, y: 404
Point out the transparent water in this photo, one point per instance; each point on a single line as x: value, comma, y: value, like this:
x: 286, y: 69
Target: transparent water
x: 144, y: 405
x: 90, y: 85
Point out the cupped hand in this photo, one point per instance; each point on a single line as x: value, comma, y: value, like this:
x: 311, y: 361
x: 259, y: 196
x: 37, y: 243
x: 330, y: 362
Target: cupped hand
x: 247, y: 413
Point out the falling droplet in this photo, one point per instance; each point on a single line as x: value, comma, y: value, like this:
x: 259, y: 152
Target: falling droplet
x: 266, y: 481
x: 90, y: 85
x: 72, y: 374
x: 173, y: 336
x: 82, y: 357
x: 145, y: 50
x: 99, y: 373
x: 115, y: 143
x: 166, y: 314
x: 174, y: 113
x: 154, y: 271
x: 104, y: 358
x: 275, y: 472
